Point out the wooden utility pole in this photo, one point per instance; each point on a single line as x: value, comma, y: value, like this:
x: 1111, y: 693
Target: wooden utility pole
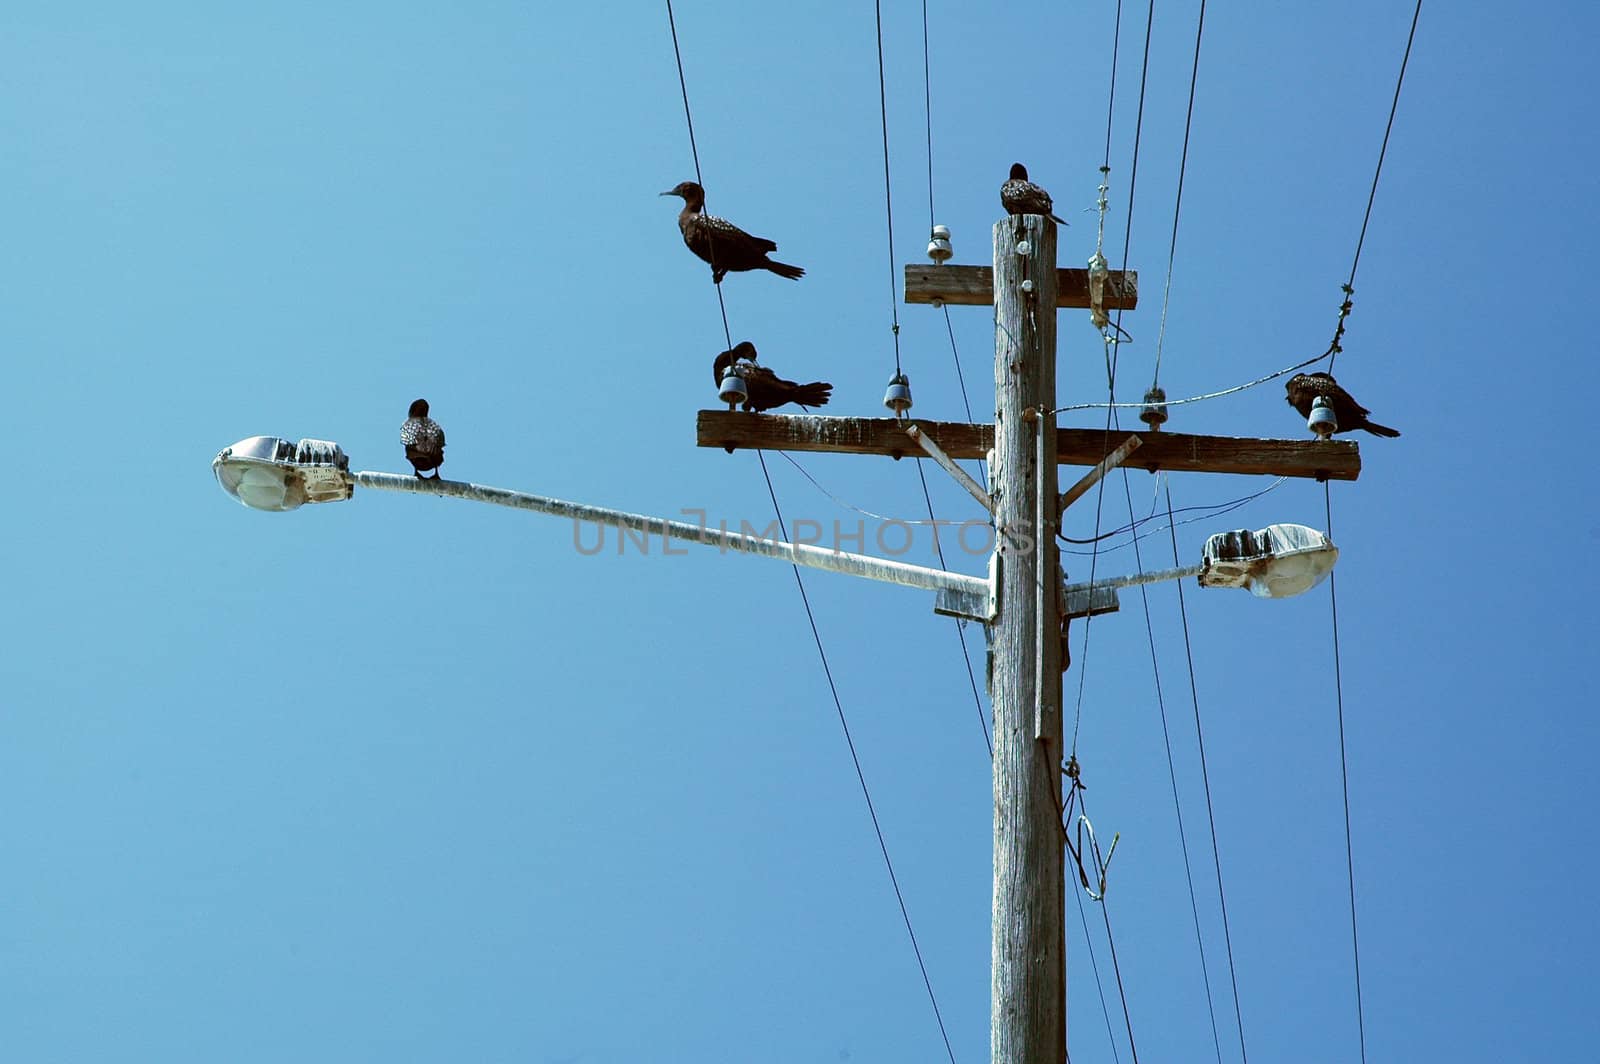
x: 1028, y: 603
x: 1028, y: 950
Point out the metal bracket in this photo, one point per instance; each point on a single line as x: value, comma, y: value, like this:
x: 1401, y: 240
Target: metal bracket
x: 961, y: 476
x: 1090, y: 601
x: 1091, y: 478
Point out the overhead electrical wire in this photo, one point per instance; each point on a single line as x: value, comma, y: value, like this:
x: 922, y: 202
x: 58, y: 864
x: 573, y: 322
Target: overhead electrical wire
x: 1195, y: 398
x: 1327, y: 496
x: 1211, y: 815
x: 1372, y: 194
x: 927, y: 118
x: 1111, y: 361
x: 800, y: 583
x: 961, y: 624
x: 888, y: 198
x: 1177, y: 209
x: 861, y: 776
x: 1344, y: 782
x: 1100, y: 488
x: 1177, y: 203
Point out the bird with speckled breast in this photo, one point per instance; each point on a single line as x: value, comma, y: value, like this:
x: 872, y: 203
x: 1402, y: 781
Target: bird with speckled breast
x: 765, y: 389
x: 1021, y: 196
x: 721, y: 243
x: 1305, y: 388
x: 423, y: 439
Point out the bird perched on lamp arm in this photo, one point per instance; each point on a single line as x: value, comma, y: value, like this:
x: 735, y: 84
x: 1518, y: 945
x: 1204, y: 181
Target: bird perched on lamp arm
x: 423, y: 439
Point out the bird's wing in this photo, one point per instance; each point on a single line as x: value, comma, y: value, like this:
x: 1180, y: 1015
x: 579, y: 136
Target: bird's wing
x: 765, y: 387
x: 1024, y: 197
x: 721, y: 229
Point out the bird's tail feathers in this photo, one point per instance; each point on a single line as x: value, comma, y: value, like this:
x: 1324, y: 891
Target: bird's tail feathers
x: 783, y: 269
x: 817, y: 393
x: 1380, y: 430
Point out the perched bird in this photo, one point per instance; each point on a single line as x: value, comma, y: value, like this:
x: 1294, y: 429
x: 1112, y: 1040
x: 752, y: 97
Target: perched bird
x: 1021, y: 196
x: 424, y: 440
x: 721, y: 243
x: 765, y: 388
x: 1304, y: 388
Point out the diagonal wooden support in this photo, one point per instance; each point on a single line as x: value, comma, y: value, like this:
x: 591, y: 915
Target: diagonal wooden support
x: 961, y: 476
x: 1091, y: 478
x: 1175, y: 452
x: 973, y: 286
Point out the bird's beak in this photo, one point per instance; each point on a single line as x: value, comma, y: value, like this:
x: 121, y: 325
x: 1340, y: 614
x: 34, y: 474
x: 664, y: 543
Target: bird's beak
x: 669, y: 192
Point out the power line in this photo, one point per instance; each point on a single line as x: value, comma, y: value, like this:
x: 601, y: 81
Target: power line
x: 1205, y: 777
x: 1094, y: 965
x: 888, y: 199
x: 861, y: 776
x: 1196, y: 398
x: 1344, y: 780
x: 1172, y: 775
x: 1063, y: 813
x: 927, y: 118
x: 927, y: 121
x: 1133, y: 179
x: 961, y: 625
x: 800, y: 583
x: 1111, y: 361
x: 1177, y: 205
x: 1111, y: 96
x: 1333, y: 596
x: 1394, y: 105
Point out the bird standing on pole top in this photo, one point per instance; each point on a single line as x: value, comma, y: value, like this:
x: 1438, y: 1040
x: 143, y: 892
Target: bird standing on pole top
x: 721, y: 243
x: 424, y: 440
x: 1305, y: 388
x: 765, y: 388
x: 1021, y: 196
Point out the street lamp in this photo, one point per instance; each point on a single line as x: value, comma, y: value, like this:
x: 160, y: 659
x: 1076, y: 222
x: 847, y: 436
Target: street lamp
x: 269, y: 473
x: 1279, y: 561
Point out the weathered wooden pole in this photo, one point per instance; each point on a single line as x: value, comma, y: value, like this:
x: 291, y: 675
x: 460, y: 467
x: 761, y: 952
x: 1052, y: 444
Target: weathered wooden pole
x: 1028, y: 1007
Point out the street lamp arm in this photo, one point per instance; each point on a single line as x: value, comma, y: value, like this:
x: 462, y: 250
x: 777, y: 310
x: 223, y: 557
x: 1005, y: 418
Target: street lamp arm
x: 816, y: 557
x: 1140, y: 578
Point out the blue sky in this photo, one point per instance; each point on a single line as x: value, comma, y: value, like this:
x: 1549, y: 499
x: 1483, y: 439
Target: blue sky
x: 411, y: 779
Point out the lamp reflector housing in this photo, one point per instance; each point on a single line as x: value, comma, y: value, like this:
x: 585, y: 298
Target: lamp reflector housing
x: 270, y: 473
x: 1278, y: 561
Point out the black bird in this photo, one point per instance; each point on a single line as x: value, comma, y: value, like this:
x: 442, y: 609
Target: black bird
x: 424, y: 440
x: 721, y: 243
x: 1021, y: 196
x: 765, y: 388
x: 1303, y: 388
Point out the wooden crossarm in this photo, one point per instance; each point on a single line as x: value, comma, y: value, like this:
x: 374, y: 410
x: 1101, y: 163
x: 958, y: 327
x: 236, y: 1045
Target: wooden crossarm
x: 1174, y: 451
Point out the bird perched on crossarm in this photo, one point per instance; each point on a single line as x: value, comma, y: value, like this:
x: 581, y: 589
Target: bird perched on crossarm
x: 721, y: 243
x: 1304, y: 388
x: 765, y: 388
x: 1021, y: 196
x: 423, y: 439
